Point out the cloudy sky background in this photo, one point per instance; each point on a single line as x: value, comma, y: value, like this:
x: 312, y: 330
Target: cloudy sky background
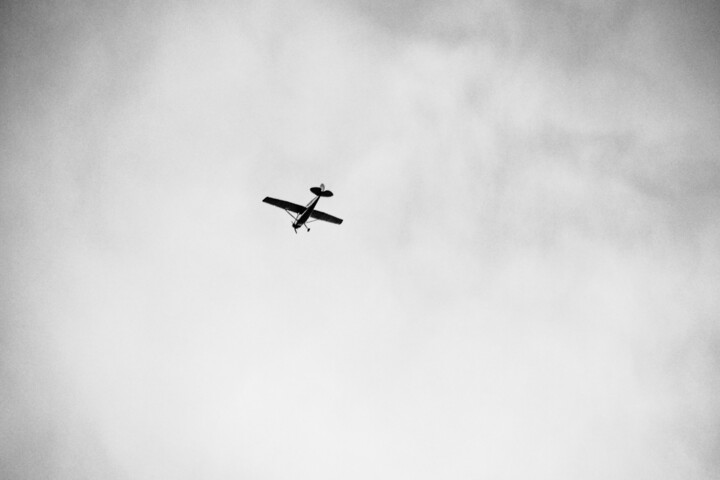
x: 525, y: 286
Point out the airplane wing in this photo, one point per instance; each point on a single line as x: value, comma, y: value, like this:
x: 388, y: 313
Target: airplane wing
x: 293, y: 207
x: 325, y: 217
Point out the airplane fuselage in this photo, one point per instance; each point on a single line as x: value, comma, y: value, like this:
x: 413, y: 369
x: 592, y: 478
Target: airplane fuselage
x: 305, y: 216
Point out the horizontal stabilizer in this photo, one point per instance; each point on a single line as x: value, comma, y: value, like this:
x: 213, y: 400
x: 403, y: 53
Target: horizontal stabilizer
x: 319, y: 191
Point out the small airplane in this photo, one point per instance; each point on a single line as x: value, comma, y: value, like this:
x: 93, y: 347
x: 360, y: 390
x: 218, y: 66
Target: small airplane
x: 303, y: 214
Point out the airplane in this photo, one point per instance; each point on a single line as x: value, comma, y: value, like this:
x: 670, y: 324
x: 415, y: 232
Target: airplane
x: 303, y: 214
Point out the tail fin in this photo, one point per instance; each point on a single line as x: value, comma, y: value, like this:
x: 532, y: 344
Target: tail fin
x: 321, y: 192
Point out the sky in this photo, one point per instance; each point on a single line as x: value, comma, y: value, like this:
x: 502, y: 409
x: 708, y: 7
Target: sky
x: 524, y: 286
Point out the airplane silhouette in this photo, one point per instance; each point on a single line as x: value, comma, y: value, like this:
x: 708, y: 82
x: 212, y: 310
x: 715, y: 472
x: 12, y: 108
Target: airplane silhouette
x: 303, y: 214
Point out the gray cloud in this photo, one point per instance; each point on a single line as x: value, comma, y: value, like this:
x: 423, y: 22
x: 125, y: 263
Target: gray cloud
x: 524, y: 284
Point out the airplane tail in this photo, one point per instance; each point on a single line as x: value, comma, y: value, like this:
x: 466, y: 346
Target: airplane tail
x: 321, y: 192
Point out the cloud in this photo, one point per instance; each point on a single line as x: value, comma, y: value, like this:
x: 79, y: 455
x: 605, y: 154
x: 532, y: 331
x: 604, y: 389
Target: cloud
x: 524, y: 284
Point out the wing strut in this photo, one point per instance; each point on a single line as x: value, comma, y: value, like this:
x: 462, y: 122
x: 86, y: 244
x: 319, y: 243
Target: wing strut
x: 294, y: 217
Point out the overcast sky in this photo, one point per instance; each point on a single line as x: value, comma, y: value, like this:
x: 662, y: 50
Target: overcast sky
x: 525, y: 285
